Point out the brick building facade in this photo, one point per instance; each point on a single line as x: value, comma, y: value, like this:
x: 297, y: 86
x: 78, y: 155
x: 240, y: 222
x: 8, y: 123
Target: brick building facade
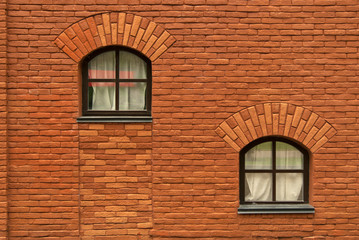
x: 225, y: 73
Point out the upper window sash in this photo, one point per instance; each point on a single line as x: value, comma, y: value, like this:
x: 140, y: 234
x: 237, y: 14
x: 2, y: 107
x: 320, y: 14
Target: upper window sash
x: 116, y: 82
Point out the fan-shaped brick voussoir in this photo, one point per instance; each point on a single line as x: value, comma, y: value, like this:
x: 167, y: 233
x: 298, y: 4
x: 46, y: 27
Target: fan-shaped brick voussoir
x: 279, y: 119
x: 114, y: 28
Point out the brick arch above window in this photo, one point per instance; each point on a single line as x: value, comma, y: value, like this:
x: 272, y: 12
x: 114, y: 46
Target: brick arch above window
x: 114, y: 28
x: 276, y: 119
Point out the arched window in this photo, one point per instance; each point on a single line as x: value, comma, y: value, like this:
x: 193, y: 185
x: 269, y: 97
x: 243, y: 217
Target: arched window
x: 274, y: 171
x: 116, y: 83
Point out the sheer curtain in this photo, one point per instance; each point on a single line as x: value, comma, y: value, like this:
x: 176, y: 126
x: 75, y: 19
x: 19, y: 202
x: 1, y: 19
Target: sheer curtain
x: 102, y: 94
x: 289, y: 185
x: 132, y: 94
x: 259, y: 185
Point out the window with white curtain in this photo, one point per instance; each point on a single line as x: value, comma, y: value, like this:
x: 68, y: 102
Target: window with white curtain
x: 274, y: 170
x: 116, y: 81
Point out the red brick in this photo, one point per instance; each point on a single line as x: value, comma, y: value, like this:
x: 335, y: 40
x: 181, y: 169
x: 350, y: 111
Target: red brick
x: 176, y: 178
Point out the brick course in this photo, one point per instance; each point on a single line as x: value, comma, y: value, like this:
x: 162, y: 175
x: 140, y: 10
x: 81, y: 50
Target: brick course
x: 225, y: 72
x: 115, y: 28
x: 115, y: 180
x: 278, y: 119
x: 3, y: 121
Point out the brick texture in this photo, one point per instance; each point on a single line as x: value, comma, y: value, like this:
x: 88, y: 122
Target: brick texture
x: 3, y: 120
x: 114, y: 28
x: 224, y: 73
x: 115, y: 181
x: 278, y: 119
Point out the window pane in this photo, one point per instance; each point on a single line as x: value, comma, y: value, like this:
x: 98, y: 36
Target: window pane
x: 101, y: 96
x: 133, y: 96
x: 132, y: 67
x: 102, y: 66
x: 258, y: 187
x: 288, y: 157
x: 259, y: 157
x: 289, y: 186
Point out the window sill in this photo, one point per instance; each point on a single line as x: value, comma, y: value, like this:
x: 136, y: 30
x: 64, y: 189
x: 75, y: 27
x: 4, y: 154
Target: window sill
x: 275, y: 208
x: 121, y: 119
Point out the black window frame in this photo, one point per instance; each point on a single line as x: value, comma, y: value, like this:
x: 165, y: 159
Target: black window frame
x: 115, y: 115
x: 252, y: 207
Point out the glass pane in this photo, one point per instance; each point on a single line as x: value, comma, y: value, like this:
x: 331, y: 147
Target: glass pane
x: 133, y: 96
x: 258, y: 187
x: 259, y: 157
x: 102, y: 66
x: 288, y: 157
x: 289, y: 187
x: 101, y: 96
x: 132, y: 66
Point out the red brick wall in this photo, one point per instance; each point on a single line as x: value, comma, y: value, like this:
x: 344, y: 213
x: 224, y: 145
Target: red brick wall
x: 115, y: 180
x: 3, y: 121
x: 280, y: 119
x: 176, y: 177
x: 43, y: 173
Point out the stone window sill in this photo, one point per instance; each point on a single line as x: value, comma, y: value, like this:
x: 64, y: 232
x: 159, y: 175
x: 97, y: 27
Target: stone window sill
x: 275, y: 208
x: 121, y: 119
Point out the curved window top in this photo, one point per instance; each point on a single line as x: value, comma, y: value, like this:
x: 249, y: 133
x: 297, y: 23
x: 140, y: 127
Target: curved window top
x: 274, y: 171
x: 116, y: 85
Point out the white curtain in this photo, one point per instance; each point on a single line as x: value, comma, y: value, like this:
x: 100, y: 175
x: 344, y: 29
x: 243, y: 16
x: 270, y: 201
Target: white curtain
x: 102, y: 66
x: 259, y: 185
x: 102, y: 93
x: 132, y: 94
x: 288, y: 185
x: 288, y: 157
x: 103, y: 96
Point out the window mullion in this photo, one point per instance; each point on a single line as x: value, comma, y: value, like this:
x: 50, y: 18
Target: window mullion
x: 288, y: 166
x: 107, y: 95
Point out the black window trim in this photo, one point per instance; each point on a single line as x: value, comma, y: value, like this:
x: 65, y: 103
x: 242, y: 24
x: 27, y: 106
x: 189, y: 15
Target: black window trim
x: 115, y: 115
x: 261, y: 207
